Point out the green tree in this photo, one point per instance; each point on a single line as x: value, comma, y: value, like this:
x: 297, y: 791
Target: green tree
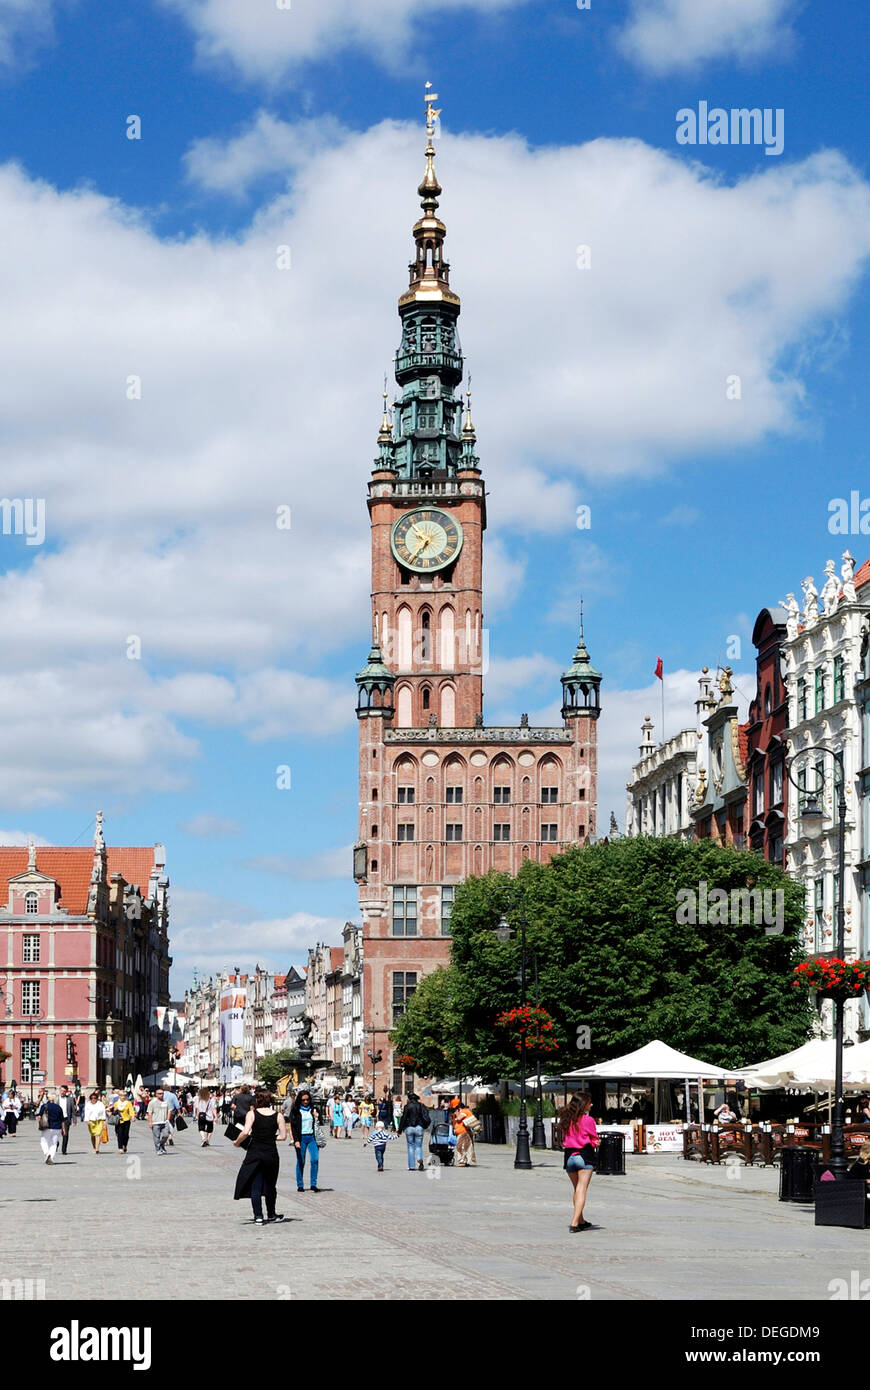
x: 274, y: 1065
x: 430, y: 1030
x: 617, y: 950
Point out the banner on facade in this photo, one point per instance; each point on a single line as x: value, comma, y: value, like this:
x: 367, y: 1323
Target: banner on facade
x: 158, y: 1017
x: 340, y: 1037
x: 232, y: 1042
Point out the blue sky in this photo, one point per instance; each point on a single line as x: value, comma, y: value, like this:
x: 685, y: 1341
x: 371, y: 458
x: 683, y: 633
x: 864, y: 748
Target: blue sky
x: 155, y: 258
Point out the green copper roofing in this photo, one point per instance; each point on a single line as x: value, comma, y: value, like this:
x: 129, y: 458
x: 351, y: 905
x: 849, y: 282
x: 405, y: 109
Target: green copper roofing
x: 374, y: 669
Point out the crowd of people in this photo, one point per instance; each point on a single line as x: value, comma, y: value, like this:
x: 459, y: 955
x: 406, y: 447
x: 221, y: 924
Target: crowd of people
x: 258, y: 1122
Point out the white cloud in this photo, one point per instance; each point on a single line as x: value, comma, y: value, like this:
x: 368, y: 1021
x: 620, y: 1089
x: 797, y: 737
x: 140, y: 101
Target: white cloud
x: 307, y: 868
x: 264, y: 41
x: 667, y: 36
x: 209, y: 934
x: 208, y: 827
x: 161, y: 512
x: 24, y: 26
x: 21, y: 837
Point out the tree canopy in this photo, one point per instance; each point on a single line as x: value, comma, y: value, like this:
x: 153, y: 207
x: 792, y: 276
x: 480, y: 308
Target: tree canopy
x: 638, y: 938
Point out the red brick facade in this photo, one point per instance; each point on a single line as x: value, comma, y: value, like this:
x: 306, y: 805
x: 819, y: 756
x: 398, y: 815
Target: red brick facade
x: 440, y: 795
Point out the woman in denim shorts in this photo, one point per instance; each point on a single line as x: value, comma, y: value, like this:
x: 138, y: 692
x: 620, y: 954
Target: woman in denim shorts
x: 579, y: 1142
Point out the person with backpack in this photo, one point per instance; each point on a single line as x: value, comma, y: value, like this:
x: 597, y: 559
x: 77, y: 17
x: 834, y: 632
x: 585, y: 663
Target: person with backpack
x: 415, y: 1120
x: 206, y: 1114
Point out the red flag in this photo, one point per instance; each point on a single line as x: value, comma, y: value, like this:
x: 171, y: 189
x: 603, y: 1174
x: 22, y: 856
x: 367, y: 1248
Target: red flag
x: 659, y: 671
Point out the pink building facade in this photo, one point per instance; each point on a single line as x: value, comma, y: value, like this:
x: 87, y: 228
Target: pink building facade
x: 84, y: 961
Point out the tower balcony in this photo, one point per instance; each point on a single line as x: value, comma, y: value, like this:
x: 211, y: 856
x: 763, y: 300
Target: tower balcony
x: 409, y: 362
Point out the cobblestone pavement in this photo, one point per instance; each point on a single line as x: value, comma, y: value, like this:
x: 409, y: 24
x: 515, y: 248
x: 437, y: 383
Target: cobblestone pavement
x: 133, y: 1228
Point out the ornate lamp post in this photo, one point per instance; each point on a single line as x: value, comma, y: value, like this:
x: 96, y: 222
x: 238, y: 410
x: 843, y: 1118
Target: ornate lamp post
x: 539, y: 1134
x: 812, y: 823
x: 504, y: 932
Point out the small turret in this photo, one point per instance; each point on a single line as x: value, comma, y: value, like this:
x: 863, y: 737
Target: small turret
x: 375, y: 684
x: 581, y: 683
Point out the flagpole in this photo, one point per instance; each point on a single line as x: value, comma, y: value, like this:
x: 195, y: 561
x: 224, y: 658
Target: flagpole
x: 663, y: 708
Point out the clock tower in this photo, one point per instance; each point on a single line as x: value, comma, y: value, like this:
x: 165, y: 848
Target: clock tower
x: 441, y: 796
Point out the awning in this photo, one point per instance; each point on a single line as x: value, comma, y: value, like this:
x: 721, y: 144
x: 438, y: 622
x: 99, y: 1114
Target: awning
x: 657, y: 1061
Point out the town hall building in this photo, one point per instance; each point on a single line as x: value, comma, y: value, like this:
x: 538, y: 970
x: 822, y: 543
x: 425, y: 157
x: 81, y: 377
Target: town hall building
x: 441, y: 795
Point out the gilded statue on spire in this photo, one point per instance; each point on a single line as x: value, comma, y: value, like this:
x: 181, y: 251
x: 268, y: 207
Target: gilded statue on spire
x: 431, y: 115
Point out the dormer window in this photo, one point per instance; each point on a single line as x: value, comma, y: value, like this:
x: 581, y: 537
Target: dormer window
x: 31, y: 904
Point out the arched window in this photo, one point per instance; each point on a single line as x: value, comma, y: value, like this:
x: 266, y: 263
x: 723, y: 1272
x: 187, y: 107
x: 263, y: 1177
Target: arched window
x: 447, y: 655
x: 425, y: 636
x: 405, y: 639
x: 404, y: 708
x: 31, y: 904
x: 426, y: 697
x: 448, y: 708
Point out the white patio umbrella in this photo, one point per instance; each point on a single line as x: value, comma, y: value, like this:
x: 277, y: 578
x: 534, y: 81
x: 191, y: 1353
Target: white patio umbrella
x: 811, y: 1066
x: 656, y: 1061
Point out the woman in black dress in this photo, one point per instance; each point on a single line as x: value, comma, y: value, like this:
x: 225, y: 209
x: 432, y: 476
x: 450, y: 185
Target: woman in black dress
x: 258, y: 1175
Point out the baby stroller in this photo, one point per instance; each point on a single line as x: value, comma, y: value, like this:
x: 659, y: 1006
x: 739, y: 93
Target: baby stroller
x: 442, y: 1143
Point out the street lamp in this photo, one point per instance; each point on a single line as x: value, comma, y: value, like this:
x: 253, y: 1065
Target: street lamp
x: 539, y: 1134
x: 522, y: 1157
x: 374, y: 1058
x: 812, y: 822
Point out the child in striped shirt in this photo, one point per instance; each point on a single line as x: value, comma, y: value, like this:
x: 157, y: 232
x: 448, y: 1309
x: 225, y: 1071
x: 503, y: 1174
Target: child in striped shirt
x: 380, y: 1137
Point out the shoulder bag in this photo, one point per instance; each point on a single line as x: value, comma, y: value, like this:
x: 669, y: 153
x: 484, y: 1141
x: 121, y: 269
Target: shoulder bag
x: 180, y: 1122
x: 320, y: 1135
x: 472, y: 1124
x: 43, y: 1119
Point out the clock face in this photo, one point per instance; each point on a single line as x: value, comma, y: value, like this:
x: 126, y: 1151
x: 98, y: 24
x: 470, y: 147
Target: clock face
x: 426, y: 540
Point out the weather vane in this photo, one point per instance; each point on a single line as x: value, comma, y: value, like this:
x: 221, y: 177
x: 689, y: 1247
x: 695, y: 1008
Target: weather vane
x: 431, y: 115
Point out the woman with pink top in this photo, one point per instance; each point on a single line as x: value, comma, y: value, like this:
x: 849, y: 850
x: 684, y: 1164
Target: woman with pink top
x: 579, y: 1141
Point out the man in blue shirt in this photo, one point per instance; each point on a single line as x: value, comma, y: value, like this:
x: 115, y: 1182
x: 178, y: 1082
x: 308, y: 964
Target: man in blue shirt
x: 174, y: 1106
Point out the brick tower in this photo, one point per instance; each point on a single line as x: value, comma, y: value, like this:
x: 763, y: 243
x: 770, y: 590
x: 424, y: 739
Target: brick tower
x: 441, y: 796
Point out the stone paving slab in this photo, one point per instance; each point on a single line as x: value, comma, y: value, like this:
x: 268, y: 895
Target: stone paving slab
x: 145, y: 1228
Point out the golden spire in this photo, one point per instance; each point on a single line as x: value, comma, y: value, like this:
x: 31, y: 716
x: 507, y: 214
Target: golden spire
x: 430, y: 188
x: 386, y: 433
x: 468, y: 423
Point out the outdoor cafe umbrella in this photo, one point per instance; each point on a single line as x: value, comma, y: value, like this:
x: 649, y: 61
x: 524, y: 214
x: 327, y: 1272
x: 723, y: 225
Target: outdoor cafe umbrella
x: 811, y: 1066
x: 656, y: 1061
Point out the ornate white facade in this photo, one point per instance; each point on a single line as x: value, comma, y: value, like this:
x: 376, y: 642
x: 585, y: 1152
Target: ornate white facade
x: 826, y: 663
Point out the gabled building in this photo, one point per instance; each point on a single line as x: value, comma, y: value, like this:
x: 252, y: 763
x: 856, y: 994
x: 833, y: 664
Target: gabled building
x: 84, y: 956
x: 766, y: 740
x: 663, y: 782
x: 719, y: 812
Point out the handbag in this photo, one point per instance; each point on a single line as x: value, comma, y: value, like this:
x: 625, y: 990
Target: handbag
x: 181, y: 1123
x: 43, y: 1120
x: 233, y: 1132
x: 104, y: 1135
x: 426, y: 1118
x: 472, y: 1124
x: 320, y: 1136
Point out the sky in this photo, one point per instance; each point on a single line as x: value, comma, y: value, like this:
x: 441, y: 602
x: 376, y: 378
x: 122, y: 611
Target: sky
x: 205, y: 223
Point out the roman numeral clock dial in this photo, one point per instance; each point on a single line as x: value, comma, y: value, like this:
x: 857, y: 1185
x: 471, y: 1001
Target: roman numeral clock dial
x: 426, y: 540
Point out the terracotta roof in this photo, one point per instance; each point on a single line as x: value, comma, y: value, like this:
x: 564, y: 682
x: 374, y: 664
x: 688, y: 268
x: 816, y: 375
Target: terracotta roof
x: 743, y: 741
x: 71, y: 868
x: 336, y: 957
x: 862, y: 576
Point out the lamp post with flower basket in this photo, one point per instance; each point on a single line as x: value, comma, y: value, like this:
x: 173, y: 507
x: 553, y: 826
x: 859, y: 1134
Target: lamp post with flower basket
x: 831, y: 976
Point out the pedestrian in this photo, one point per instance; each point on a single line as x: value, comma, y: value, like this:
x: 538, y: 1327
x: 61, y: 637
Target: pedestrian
x: 350, y: 1114
x: 579, y: 1142
x: 51, y: 1131
x: 206, y: 1114
x: 288, y: 1104
x: 158, y: 1119
x: 366, y: 1113
x: 397, y: 1113
x: 95, y: 1119
x: 258, y: 1176
x: 125, y: 1112
x: 174, y: 1110
x: 414, y: 1120
x: 11, y: 1112
x: 142, y: 1098
x: 465, y: 1155
x: 242, y: 1102
x: 380, y: 1137
x: 70, y: 1115
x: 336, y: 1115
x: 385, y: 1109
x: 305, y: 1117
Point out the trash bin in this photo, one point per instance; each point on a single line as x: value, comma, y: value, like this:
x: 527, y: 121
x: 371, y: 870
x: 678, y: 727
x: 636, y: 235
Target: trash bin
x: 797, y: 1173
x: 610, y: 1158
